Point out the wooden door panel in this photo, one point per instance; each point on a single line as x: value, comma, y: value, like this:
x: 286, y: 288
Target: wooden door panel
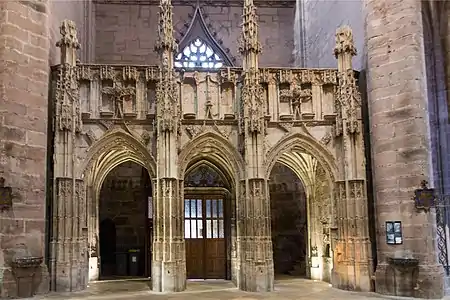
x: 194, y: 258
x: 205, y: 237
x: 215, y: 259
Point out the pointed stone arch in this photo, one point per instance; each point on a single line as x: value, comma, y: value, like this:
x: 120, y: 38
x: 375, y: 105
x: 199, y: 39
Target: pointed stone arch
x: 306, y: 144
x: 198, y: 37
x: 316, y: 168
x: 214, y: 148
x: 113, y: 149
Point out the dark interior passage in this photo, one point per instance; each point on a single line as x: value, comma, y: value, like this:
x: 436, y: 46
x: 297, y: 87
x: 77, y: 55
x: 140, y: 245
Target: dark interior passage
x: 125, y: 229
x: 289, y: 222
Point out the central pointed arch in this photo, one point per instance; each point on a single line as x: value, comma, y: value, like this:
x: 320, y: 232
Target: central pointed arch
x: 199, y: 49
x: 224, y: 168
x: 216, y: 149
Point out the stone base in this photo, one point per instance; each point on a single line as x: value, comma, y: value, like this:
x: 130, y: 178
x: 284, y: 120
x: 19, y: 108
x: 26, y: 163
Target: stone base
x: 427, y: 282
x: 38, y: 284
x: 168, y: 277
x: 351, y: 278
x: 70, y: 277
x: 256, y: 277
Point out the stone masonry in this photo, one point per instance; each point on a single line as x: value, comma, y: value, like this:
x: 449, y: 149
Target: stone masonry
x: 23, y: 126
x: 400, y: 139
x: 126, y: 33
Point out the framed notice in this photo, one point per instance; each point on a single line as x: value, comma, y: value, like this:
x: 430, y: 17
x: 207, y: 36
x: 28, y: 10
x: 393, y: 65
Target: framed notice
x: 394, y: 233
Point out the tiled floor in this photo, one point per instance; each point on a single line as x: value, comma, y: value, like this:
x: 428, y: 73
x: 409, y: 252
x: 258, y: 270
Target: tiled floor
x: 288, y: 288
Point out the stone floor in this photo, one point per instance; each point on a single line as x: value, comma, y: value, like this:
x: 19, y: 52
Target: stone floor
x: 286, y: 288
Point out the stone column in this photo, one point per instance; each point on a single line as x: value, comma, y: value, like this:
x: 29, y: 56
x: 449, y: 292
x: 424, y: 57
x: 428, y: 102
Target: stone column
x: 354, y: 270
x: 398, y: 110
x: 253, y: 213
x: 169, y: 255
x: 68, y: 254
x: 24, y: 73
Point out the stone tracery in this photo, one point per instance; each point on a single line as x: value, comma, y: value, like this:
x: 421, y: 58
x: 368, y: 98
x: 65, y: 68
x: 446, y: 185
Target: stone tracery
x: 202, y: 119
x: 198, y: 55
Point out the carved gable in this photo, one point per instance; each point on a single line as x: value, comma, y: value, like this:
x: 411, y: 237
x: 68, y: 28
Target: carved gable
x: 199, y: 49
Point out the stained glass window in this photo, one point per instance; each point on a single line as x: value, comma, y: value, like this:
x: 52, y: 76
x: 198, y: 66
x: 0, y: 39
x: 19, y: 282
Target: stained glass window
x: 198, y: 55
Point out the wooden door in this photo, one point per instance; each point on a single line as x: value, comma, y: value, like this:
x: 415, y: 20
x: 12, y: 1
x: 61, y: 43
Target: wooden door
x: 205, y: 237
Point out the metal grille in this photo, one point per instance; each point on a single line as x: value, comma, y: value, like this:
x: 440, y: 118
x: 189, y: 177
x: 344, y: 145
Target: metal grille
x: 442, y: 210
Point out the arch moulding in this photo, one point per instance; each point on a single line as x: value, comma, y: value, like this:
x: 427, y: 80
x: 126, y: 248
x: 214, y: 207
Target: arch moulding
x: 307, y: 144
x: 214, y: 148
x: 113, y: 149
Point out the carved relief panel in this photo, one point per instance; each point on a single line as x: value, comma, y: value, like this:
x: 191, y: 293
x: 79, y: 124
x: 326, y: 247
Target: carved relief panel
x: 129, y: 79
x: 117, y: 92
x: 300, y: 95
x: 208, y: 96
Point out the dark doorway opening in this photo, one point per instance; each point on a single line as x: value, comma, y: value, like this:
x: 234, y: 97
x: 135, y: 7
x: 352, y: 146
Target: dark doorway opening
x: 289, y: 222
x: 125, y: 223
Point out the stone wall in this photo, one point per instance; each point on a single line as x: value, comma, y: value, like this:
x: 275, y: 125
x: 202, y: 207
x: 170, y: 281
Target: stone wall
x: 289, y: 224
x: 127, y: 33
x: 28, y: 33
x: 321, y: 19
x: 81, y: 12
x: 398, y: 106
x: 24, y: 55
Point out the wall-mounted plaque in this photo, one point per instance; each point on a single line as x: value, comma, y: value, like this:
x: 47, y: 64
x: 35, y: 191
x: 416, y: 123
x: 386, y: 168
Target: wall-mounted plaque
x: 394, y: 233
x: 5, y: 196
x: 424, y: 197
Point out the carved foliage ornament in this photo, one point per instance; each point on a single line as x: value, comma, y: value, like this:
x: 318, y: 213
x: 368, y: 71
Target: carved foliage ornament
x: 68, y: 33
x: 253, y: 106
x: 68, y: 112
x: 168, y: 107
x: 348, y: 104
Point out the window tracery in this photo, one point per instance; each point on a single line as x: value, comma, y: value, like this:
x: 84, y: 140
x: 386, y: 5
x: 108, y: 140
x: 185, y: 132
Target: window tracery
x: 203, y: 176
x: 198, y: 54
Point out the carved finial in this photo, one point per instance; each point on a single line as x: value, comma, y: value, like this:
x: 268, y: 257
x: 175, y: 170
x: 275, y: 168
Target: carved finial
x: 249, y: 44
x: 68, y: 42
x: 344, y: 41
x: 166, y: 44
x: 68, y: 32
